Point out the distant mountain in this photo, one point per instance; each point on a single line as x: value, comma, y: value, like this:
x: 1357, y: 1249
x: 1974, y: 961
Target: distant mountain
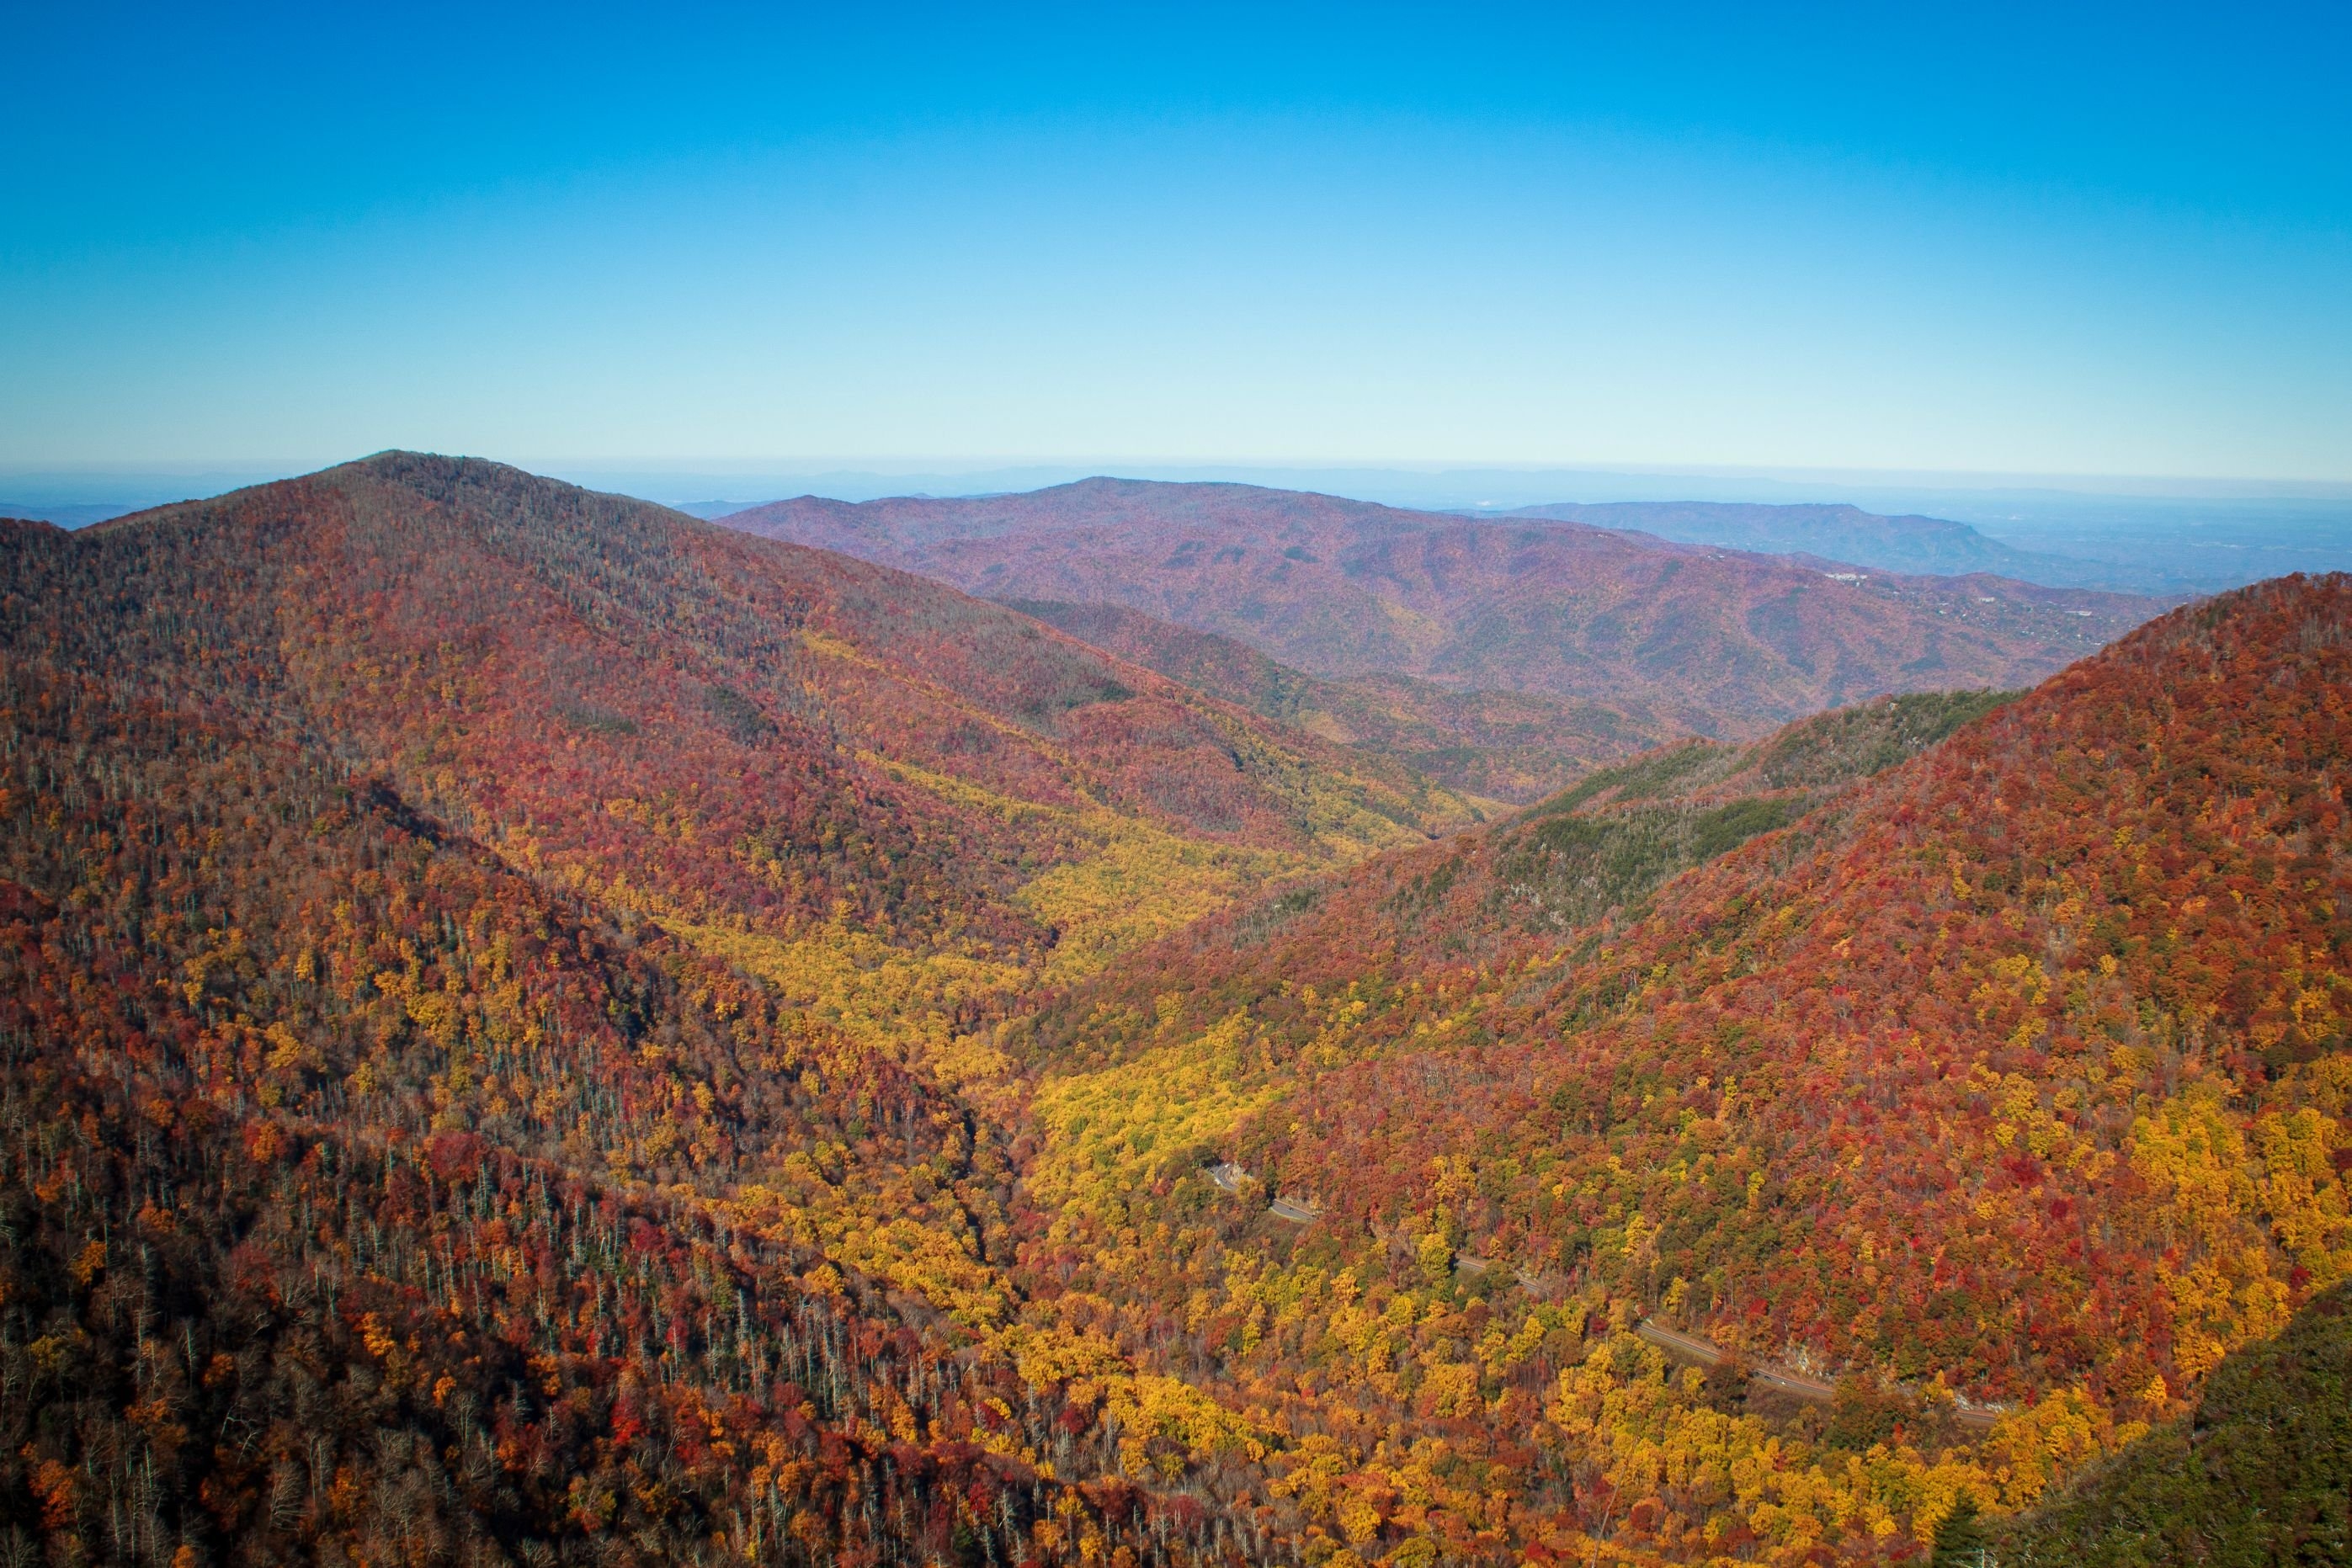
x: 1503, y: 746
x: 1701, y: 639
x: 78, y: 516
x: 1928, y: 545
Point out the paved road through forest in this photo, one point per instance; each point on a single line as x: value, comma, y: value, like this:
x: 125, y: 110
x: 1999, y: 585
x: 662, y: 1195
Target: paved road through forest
x: 1786, y: 1380
x: 1229, y: 1177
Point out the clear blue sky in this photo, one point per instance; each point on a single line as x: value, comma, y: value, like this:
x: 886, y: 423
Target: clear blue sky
x: 2109, y: 240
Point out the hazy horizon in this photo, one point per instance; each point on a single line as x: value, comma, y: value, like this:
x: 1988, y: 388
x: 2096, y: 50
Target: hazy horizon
x: 105, y: 480
x: 2164, y: 536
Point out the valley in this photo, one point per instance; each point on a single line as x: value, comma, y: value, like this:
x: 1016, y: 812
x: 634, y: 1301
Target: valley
x: 536, y: 1028
x: 1508, y: 746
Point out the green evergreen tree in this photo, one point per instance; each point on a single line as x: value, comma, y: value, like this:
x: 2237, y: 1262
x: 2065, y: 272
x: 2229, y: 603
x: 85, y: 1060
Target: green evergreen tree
x: 1959, y: 1539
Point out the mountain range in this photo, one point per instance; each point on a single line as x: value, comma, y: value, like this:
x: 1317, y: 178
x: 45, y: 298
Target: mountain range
x: 537, y: 1029
x: 1710, y: 641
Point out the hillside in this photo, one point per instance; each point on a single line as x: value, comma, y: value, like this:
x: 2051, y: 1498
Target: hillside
x: 2260, y: 1472
x: 1498, y: 744
x: 1696, y: 639
x: 1921, y: 546
x: 1585, y: 860
x: 359, y: 1197
x: 2013, y: 1073
x: 765, y: 737
x: 1346, y: 1315
x: 484, y: 972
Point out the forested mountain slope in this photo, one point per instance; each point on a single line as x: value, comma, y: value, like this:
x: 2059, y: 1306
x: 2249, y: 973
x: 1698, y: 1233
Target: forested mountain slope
x: 1704, y: 640
x: 1500, y: 744
x: 481, y: 970
x: 2259, y: 1473
x: 1581, y: 864
x: 2015, y: 1073
x: 358, y: 1200
x: 724, y: 735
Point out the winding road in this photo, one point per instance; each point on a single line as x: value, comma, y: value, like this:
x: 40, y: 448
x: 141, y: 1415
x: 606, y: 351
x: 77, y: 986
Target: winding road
x: 1688, y: 1347
x: 1786, y: 1380
x: 1229, y: 1177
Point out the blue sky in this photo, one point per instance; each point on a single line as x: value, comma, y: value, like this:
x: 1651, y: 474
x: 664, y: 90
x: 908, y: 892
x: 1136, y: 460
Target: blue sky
x: 2111, y: 240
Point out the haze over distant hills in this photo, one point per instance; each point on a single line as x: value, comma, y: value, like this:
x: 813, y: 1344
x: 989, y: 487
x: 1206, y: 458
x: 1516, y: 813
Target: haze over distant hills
x: 1931, y: 546
x: 2140, y: 535
x: 2165, y: 538
x: 1703, y: 639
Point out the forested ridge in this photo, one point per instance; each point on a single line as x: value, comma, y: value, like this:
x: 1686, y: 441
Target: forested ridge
x: 484, y: 959
x: 1502, y: 745
x: 2013, y: 1074
x: 537, y: 1030
x: 1672, y: 638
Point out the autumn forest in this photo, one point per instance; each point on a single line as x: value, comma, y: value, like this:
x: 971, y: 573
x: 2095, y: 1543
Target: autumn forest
x: 1151, y: 1027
